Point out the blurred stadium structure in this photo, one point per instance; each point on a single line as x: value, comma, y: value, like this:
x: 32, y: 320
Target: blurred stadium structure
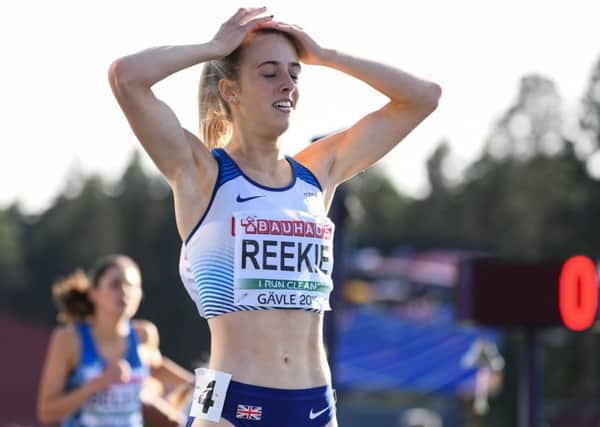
x: 397, y: 334
x: 21, y: 358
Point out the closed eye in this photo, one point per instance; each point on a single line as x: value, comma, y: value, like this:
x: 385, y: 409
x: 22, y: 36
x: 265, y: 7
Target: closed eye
x: 269, y: 76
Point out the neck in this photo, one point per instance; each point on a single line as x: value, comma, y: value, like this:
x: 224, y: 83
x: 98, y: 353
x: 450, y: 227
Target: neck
x: 257, y: 151
x: 107, y: 327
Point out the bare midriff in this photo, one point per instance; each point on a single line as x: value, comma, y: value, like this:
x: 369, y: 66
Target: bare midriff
x: 274, y: 348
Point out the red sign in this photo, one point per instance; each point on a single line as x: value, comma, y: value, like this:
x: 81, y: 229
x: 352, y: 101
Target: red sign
x: 578, y: 293
x: 500, y: 292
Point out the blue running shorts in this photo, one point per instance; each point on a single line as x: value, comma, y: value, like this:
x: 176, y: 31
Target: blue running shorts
x: 250, y: 405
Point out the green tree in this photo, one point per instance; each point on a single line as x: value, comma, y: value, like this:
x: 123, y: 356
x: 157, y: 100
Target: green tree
x: 14, y: 277
x: 377, y: 209
x: 590, y: 117
x: 533, y: 125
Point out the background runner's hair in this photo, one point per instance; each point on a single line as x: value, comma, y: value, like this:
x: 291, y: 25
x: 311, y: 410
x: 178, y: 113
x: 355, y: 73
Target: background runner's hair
x: 71, y: 294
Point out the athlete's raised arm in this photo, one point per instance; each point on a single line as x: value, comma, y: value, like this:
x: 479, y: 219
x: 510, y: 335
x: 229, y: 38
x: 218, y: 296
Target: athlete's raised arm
x: 340, y: 156
x: 185, y: 163
x: 153, y: 122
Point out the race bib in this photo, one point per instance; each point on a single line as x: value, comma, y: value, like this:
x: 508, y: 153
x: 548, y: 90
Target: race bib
x: 283, y: 260
x: 116, y: 406
x: 209, y: 394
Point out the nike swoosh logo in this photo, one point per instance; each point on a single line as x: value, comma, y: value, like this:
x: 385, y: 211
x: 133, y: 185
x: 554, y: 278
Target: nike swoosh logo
x: 312, y: 415
x: 241, y: 199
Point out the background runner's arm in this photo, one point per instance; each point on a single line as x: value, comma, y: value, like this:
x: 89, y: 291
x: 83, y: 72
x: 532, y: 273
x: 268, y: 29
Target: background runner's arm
x: 170, y: 374
x: 53, y: 403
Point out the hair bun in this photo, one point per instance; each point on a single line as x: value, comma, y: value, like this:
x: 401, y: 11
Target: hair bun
x: 71, y: 296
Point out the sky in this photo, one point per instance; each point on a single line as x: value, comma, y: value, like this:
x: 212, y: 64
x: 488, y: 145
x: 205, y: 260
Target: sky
x: 58, y: 114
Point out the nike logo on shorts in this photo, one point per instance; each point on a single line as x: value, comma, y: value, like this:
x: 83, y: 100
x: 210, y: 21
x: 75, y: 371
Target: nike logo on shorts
x: 241, y: 199
x: 312, y: 415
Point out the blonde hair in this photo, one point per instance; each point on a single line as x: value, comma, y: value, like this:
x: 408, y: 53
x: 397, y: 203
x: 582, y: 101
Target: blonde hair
x: 216, y: 121
x: 215, y: 116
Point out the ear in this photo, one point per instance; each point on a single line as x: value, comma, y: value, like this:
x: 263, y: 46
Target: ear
x: 229, y: 91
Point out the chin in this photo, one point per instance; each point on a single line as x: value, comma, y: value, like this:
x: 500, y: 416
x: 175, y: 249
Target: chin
x: 277, y: 128
x: 120, y: 311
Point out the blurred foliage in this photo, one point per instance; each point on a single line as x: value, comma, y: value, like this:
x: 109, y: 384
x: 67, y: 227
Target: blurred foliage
x: 529, y: 195
x: 133, y: 216
x: 590, y: 118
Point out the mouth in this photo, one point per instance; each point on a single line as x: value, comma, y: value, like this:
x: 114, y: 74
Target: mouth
x: 285, y: 106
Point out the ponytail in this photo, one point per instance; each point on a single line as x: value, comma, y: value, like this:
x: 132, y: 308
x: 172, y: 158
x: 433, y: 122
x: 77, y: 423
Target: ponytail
x: 71, y: 296
x: 215, y: 115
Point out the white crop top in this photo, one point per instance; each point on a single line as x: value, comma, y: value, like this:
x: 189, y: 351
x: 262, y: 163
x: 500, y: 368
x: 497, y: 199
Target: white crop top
x: 260, y: 248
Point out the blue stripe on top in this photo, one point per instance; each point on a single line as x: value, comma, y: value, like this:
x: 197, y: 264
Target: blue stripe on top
x: 305, y: 174
x: 213, y: 274
x: 90, y: 354
x: 230, y: 165
x: 228, y: 170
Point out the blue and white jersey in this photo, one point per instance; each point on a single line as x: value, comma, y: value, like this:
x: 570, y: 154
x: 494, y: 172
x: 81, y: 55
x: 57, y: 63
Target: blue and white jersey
x: 260, y: 248
x: 119, y: 405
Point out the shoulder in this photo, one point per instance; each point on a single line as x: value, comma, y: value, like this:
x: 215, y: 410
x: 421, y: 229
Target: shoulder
x: 318, y: 157
x: 65, y: 342
x: 147, y: 332
x: 148, y: 342
x: 65, y: 335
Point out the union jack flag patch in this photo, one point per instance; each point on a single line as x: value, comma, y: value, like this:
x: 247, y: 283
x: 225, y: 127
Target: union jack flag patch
x: 249, y: 412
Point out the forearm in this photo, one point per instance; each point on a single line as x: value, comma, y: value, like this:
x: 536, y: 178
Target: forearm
x: 57, y: 408
x: 158, y: 412
x: 399, y: 86
x: 152, y: 65
x: 172, y: 375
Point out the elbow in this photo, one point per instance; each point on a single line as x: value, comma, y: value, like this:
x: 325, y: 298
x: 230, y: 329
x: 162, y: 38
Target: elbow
x: 120, y: 74
x: 430, y: 98
x: 47, y: 413
x: 423, y: 100
x: 43, y: 415
x: 44, y: 420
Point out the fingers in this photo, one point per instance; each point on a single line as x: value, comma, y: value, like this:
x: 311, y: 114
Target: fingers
x: 282, y: 26
x: 244, y: 15
x: 125, y: 370
x: 260, y: 22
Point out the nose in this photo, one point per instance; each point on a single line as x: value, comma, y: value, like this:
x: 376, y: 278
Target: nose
x: 122, y: 288
x: 287, y: 85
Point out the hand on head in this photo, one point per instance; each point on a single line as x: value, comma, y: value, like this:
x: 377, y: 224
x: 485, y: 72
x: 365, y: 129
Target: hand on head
x: 233, y: 32
x: 235, y: 29
x: 310, y: 52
